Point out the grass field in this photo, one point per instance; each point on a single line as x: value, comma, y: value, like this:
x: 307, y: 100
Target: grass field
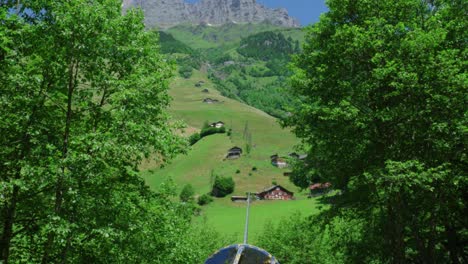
x: 230, y: 218
x: 207, y: 157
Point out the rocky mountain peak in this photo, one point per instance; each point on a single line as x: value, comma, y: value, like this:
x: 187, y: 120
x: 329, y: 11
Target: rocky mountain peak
x: 169, y: 13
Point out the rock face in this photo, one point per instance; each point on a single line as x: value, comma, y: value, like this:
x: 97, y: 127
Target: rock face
x: 168, y: 13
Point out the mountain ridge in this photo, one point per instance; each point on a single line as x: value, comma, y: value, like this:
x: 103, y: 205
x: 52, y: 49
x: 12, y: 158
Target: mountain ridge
x: 169, y: 13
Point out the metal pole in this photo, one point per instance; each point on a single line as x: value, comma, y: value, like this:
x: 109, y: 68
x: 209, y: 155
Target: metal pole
x: 246, y: 232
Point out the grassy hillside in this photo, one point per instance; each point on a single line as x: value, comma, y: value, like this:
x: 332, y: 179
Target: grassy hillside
x: 205, y: 37
x: 206, y: 157
x: 247, y: 62
x: 233, y: 72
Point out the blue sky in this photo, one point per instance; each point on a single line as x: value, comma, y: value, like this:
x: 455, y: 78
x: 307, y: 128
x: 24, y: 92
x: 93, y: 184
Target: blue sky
x: 307, y: 11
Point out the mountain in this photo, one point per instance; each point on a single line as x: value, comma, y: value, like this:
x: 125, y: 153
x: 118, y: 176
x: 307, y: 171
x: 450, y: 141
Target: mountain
x: 169, y: 13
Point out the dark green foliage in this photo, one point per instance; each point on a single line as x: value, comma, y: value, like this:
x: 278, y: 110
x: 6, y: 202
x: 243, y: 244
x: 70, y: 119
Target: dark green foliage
x: 185, y: 71
x: 187, y: 193
x: 194, y: 138
x: 212, y: 130
x: 266, y: 46
x: 204, y: 199
x: 222, y: 186
x: 254, y: 168
x: 83, y: 92
x: 238, y: 171
x: 188, y: 62
x: 208, y: 131
x: 315, y: 244
x: 241, y: 83
x: 382, y: 88
x: 170, y: 45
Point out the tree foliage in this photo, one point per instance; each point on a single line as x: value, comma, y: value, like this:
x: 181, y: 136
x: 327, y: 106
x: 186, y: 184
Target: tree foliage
x: 187, y: 193
x: 222, y: 186
x: 267, y: 45
x: 382, y: 95
x: 83, y: 93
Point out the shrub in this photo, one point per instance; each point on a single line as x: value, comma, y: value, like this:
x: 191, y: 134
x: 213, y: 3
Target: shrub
x: 186, y: 195
x: 206, y: 131
x: 254, y: 168
x: 237, y: 171
x: 194, y: 139
x: 222, y: 186
x: 204, y: 199
x: 185, y: 71
x: 212, y: 130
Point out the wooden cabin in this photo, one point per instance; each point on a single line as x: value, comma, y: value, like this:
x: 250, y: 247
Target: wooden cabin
x: 238, y: 199
x: 276, y: 192
x: 279, y: 162
x: 210, y: 101
x: 234, y: 153
x: 199, y: 84
x: 218, y: 124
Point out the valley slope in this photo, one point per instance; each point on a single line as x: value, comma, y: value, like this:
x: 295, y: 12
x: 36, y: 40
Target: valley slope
x: 207, y: 157
x: 225, y: 60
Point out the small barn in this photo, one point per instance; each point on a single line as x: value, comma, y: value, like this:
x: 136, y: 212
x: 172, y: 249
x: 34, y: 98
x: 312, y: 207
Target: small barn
x: 218, y: 124
x: 279, y: 162
x: 276, y: 192
x: 318, y: 189
x: 210, y: 101
x: 238, y: 199
x: 234, y: 153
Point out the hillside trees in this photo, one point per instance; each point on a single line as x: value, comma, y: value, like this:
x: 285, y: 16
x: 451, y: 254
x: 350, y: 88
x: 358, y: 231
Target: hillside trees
x: 82, y: 101
x: 222, y: 186
x: 383, y: 95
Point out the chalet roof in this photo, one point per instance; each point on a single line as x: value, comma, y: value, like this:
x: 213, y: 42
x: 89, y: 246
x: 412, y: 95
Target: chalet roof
x: 279, y: 160
x: 235, y: 149
x: 316, y: 186
x: 274, y: 187
x: 210, y: 100
x: 274, y: 156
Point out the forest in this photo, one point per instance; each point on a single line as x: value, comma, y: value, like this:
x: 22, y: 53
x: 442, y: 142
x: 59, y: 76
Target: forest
x: 377, y: 96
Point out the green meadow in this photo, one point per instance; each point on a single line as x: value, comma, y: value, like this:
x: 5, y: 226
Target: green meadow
x: 206, y: 158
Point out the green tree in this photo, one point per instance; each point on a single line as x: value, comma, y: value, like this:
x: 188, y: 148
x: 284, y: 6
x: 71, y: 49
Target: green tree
x: 83, y: 93
x: 204, y: 199
x: 187, y: 193
x: 382, y: 91
x: 222, y: 186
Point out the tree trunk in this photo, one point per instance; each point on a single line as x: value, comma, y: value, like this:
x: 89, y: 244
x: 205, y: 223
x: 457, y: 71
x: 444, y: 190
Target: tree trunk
x: 72, y: 73
x: 10, y: 211
x: 452, y: 244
